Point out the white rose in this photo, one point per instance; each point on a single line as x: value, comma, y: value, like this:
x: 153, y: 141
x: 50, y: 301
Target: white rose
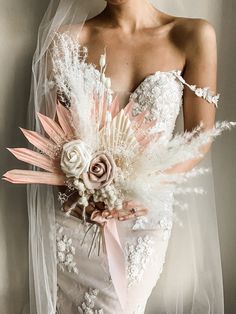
x: 75, y: 158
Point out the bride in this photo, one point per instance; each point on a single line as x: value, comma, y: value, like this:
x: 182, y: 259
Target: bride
x: 162, y: 64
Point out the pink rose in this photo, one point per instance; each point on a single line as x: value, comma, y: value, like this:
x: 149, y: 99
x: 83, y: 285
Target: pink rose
x: 101, y: 171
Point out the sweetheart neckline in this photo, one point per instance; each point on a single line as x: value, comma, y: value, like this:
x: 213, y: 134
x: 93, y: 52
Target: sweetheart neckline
x: 177, y: 71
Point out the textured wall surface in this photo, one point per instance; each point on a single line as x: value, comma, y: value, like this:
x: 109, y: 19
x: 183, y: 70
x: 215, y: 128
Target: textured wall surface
x: 19, y: 20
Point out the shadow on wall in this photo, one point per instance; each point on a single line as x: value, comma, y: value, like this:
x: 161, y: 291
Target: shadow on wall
x: 224, y: 154
x: 19, y: 20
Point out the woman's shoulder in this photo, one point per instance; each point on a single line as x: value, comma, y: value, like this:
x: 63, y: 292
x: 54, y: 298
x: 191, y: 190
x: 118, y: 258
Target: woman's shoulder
x: 193, y: 33
x: 193, y: 24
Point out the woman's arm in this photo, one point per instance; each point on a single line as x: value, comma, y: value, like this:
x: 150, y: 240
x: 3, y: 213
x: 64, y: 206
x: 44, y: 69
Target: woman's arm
x: 200, y: 70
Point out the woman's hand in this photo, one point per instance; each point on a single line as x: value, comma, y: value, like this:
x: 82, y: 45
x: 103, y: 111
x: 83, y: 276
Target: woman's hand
x: 129, y: 211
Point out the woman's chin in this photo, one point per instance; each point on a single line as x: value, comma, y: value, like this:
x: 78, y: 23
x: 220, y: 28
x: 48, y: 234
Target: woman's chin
x: 117, y: 2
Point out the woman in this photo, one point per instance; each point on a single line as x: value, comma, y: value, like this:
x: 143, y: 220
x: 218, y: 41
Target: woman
x: 139, y: 41
x: 152, y: 59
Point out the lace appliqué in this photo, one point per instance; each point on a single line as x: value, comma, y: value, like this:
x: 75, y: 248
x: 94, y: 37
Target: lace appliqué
x: 161, y: 95
x: 165, y: 224
x: 88, y: 305
x: 140, y: 223
x: 139, y: 256
x: 65, y: 252
x: 204, y: 93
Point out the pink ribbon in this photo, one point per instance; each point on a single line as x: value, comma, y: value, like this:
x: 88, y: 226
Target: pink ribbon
x: 115, y: 256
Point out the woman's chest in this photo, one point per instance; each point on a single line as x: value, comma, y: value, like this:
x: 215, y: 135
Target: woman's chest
x: 131, y: 59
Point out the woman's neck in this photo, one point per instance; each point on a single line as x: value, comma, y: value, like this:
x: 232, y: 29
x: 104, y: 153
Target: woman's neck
x: 131, y: 15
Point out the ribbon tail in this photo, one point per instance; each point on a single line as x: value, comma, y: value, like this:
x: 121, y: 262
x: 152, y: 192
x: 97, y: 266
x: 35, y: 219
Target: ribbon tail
x: 116, y: 261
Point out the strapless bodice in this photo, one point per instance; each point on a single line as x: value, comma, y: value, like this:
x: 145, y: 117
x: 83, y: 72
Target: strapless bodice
x: 161, y: 95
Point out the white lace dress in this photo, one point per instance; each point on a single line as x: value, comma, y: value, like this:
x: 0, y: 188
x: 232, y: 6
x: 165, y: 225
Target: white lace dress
x: 84, y: 284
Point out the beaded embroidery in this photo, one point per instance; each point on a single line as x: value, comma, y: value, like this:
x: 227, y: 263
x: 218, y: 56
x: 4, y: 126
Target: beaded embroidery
x: 160, y: 94
x: 88, y: 305
x: 204, y: 93
x: 165, y: 224
x: 139, y: 256
x: 140, y: 223
x: 65, y: 252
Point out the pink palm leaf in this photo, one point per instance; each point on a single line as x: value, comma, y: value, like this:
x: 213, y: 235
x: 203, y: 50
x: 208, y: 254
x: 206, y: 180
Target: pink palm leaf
x: 49, y: 160
x: 63, y: 131
x: 139, y: 124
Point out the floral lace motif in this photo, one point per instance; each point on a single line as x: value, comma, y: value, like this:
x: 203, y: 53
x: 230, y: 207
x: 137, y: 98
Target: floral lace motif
x: 160, y: 94
x: 139, y: 256
x: 65, y: 252
x: 88, y: 305
x: 166, y: 225
x: 140, y: 223
x: 204, y: 93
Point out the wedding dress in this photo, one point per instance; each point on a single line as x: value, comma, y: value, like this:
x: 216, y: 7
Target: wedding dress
x: 84, y: 283
x: 73, y: 268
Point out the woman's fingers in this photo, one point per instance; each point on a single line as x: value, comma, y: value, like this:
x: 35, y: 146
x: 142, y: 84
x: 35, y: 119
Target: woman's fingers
x: 126, y: 214
x: 130, y: 210
x: 107, y: 214
x: 132, y: 214
x: 131, y: 204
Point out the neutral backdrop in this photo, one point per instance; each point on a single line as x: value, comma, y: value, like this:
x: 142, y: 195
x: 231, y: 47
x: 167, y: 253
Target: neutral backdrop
x: 19, y: 20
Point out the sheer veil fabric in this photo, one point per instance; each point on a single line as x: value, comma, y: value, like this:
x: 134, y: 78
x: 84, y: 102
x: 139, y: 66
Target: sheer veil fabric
x: 191, y: 281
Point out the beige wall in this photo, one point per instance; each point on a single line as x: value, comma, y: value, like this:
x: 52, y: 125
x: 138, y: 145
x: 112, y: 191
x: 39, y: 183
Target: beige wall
x: 225, y: 154
x: 18, y: 26
x: 19, y: 20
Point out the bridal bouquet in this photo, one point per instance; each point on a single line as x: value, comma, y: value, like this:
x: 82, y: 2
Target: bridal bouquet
x: 98, y: 165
